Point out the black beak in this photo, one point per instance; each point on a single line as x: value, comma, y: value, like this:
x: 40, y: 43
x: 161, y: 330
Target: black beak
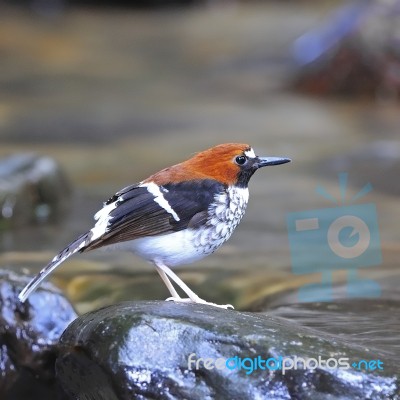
x: 264, y: 161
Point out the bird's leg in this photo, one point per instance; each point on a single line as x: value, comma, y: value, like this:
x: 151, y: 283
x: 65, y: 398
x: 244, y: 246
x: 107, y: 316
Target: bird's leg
x: 166, y: 273
x: 168, y: 283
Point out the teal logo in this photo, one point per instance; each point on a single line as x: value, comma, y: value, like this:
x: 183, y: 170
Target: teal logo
x: 343, y: 237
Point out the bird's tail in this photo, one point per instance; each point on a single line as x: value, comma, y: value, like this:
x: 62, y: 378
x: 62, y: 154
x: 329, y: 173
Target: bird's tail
x: 75, y: 246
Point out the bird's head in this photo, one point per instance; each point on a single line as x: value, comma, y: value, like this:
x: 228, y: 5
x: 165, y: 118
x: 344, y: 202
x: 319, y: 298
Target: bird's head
x: 229, y: 163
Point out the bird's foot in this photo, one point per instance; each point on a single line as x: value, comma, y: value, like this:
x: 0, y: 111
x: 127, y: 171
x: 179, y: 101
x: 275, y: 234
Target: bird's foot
x: 198, y: 300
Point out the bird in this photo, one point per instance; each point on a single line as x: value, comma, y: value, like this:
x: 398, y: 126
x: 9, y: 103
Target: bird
x: 176, y: 216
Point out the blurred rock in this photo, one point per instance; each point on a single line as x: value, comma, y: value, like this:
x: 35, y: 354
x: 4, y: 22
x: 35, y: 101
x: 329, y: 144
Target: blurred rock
x: 141, y: 350
x: 32, y: 189
x: 29, y: 335
x: 356, y: 52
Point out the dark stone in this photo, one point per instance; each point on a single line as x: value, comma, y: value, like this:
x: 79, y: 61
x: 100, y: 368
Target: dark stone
x: 32, y: 189
x: 29, y: 335
x: 353, y: 53
x: 141, y: 350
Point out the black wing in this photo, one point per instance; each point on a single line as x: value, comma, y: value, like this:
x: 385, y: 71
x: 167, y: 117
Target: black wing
x: 138, y: 214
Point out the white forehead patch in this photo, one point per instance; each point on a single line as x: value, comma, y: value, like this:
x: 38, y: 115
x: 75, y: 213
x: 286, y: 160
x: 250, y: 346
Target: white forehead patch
x: 250, y: 153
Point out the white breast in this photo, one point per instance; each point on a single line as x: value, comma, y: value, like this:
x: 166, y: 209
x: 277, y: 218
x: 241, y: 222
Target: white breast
x: 225, y: 214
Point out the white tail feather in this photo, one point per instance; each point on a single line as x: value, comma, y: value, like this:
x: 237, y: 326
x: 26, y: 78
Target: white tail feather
x: 72, y: 248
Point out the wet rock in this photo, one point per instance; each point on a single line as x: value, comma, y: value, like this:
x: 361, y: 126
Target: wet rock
x: 29, y: 335
x: 141, y: 350
x: 32, y: 189
x: 355, y: 52
x: 369, y: 322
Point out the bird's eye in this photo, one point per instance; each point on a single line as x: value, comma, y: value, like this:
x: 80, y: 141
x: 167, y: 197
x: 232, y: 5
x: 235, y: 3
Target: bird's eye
x: 240, y: 160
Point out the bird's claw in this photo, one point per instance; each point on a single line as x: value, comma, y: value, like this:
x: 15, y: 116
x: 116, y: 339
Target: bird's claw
x: 198, y: 300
